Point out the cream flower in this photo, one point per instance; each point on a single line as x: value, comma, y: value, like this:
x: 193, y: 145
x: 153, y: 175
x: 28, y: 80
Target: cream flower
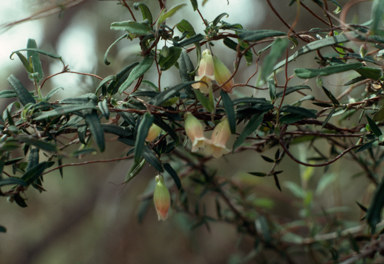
x: 216, y: 145
x: 153, y: 132
x: 205, y: 73
x: 222, y: 75
x: 161, y: 198
x: 194, y: 131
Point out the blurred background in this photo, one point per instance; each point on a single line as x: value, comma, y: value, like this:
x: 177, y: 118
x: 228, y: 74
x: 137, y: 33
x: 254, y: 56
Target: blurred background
x: 88, y: 217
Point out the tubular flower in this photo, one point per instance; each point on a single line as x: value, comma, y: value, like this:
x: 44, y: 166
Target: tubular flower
x: 205, y: 73
x: 222, y: 75
x: 216, y: 145
x: 161, y: 198
x: 153, y: 132
x: 194, y: 131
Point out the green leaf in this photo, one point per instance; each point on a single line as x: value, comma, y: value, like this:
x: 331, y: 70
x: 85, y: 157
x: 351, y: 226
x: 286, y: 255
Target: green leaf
x: 169, y: 93
x: 192, y: 40
x: 233, y: 45
x: 36, y: 63
x: 52, y: 93
x: 375, y: 129
x: 144, y: 11
x: 298, y: 110
x: 39, y: 51
x: 251, y: 126
x: 117, y: 130
x: 203, y: 100
x: 33, y: 158
x: 164, y: 15
x: 151, y: 158
x: 379, y: 115
x: 38, y: 143
x: 82, y: 99
x: 63, y: 110
x: 371, y: 73
x: 134, y: 170
x: 22, y: 93
x: 3, y: 229
x: 330, y: 96
x: 218, y: 18
x: 35, y: 172
x: 8, y: 94
x: 19, y: 200
x: 292, y: 89
x: 317, y: 44
x: 103, y: 106
x: 267, y: 159
x: 377, y: 16
x: 132, y: 27
x: 109, y: 48
x: 367, y: 145
x: 272, y: 89
x: 194, y: 5
x: 328, y: 117
x: 114, y: 86
x: 185, y: 26
x: 25, y: 62
x: 374, y: 210
x: 137, y: 72
x: 164, y: 126
x: 105, y: 81
x: 310, y: 73
x: 12, y: 181
x: 278, y: 48
x: 258, y: 174
x: 229, y: 110
x: 142, y: 133
x: 185, y: 68
x: 168, y: 61
x: 256, y: 35
x: 173, y: 174
x: 96, y: 129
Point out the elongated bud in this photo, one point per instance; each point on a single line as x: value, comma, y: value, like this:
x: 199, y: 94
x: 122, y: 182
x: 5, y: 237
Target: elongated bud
x: 161, y: 198
x: 205, y: 72
x: 216, y: 145
x: 194, y: 131
x: 222, y: 75
x: 153, y: 133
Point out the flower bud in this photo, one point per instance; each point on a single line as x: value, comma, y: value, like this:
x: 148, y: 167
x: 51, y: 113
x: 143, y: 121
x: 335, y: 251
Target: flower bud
x: 205, y: 73
x: 222, y: 75
x: 194, y: 131
x: 216, y: 145
x: 161, y: 198
x: 153, y: 132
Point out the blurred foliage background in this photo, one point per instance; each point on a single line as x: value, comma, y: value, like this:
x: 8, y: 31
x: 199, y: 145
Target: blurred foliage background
x: 88, y: 217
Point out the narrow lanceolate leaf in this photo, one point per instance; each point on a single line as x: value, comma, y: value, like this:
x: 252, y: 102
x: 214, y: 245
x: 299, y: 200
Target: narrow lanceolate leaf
x: 135, y: 169
x: 25, y: 62
x: 256, y: 35
x: 272, y: 89
x: 8, y: 94
x: 185, y: 26
x: 229, y: 110
x: 117, y: 130
x: 169, y: 93
x: 292, y: 89
x: 371, y: 73
x: 12, y: 181
x: 132, y: 27
x: 185, y: 69
x: 36, y: 63
x: 22, y: 93
x: 218, y: 18
x: 233, y: 45
x: 114, y: 86
x: 374, y: 211
x: 109, y: 48
x: 137, y: 72
x: 52, y: 93
x: 298, y: 110
x: 152, y: 159
x: 375, y: 129
x: 33, y: 158
x: 35, y: 172
x: 164, y: 126
x: 252, y: 125
x: 142, y: 132
x: 63, y: 111
x: 103, y: 106
x: 330, y: 96
x: 38, y: 51
x: 278, y: 48
x: 146, y: 13
x: 203, y: 100
x: 194, y: 5
x: 315, y: 45
x: 165, y: 15
x: 173, y: 174
x: 377, y: 16
x: 39, y: 143
x: 97, y: 131
x: 328, y: 117
x: 310, y: 73
x: 170, y: 60
x: 105, y: 81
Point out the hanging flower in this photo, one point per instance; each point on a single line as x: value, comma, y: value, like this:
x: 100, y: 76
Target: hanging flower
x: 161, y: 198
x: 153, y: 133
x: 194, y: 131
x: 222, y: 75
x: 216, y: 145
x: 205, y: 73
